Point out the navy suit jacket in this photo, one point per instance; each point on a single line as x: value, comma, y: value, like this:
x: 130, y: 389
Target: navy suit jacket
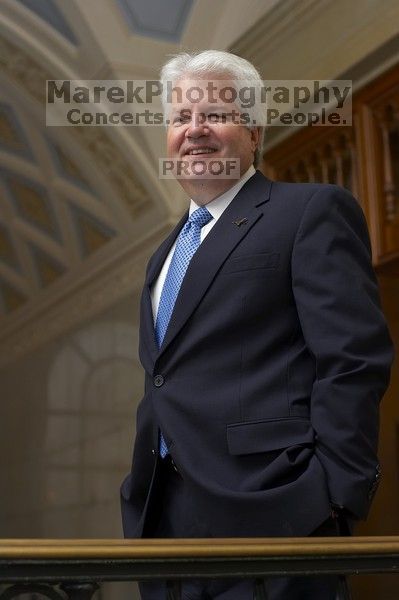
x: 267, y: 384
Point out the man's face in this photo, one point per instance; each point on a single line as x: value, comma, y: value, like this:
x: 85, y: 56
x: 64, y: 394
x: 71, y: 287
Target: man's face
x: 208, y: 129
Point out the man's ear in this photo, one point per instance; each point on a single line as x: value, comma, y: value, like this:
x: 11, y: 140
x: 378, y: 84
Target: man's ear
x: 255, y: 137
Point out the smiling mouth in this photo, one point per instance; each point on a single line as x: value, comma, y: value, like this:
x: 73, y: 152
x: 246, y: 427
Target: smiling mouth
x: 200, y: 151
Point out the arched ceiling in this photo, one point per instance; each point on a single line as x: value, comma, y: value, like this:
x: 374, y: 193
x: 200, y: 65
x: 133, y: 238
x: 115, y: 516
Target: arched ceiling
x: 81, y: 206
x: 53, y: 214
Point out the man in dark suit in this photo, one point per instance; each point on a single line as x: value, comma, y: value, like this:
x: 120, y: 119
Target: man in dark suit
x: 265, y: 353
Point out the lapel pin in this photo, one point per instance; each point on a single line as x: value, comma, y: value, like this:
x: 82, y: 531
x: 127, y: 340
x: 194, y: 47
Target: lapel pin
x: 240, y: 222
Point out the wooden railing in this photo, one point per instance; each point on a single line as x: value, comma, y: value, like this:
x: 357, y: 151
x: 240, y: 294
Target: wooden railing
x: 59, y: 569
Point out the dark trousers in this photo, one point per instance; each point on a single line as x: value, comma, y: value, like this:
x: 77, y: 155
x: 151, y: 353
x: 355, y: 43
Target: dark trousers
x: 171, y: 516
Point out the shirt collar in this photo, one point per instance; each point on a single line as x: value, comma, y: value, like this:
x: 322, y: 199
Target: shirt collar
x: 219, y: 204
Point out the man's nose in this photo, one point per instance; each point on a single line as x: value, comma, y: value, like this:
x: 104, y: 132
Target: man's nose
x: 198, y: 126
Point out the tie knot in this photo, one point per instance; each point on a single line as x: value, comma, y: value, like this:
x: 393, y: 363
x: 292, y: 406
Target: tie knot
x: 201, y: 216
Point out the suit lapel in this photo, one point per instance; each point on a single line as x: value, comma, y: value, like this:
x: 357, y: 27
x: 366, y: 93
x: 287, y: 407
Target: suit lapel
x: 214, y: 250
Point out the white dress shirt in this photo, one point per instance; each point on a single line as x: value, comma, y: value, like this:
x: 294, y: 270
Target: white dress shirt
x: 216, y: 208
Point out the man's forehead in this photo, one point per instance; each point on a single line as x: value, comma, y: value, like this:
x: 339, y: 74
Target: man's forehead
x: 206, y: 90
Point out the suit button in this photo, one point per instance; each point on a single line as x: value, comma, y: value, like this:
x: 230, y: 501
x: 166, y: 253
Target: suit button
x: 158, y: 380
x: 153, y: 452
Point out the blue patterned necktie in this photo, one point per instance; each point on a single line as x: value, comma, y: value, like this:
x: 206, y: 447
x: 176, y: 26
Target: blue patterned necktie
x: 187, y: 243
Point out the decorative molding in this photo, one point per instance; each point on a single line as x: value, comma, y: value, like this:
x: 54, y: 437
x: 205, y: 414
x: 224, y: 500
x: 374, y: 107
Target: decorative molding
x: 84, y: 300
x: 21, y: 67
x: 114, y: 165
x: 48, y: 12
x: 275, y: 28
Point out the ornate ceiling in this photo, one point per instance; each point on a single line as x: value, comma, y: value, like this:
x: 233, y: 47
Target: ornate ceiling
x: 81, y: 207
x: 52, y: 214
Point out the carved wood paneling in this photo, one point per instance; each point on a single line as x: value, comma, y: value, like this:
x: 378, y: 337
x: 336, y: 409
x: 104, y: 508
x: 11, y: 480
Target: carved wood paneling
x: 363, y: 158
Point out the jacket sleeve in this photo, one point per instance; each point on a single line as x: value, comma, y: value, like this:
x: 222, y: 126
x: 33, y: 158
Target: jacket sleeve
x: 337, y: 300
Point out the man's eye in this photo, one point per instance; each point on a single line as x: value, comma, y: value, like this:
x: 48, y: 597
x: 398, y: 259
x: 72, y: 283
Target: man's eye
x: 217, y: 118
x: 181, y: 119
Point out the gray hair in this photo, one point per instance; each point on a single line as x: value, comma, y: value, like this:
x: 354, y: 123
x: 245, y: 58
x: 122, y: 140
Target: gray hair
x: 218, y: 63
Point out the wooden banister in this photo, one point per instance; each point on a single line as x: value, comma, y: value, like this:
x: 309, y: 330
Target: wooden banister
x: 72, y: 569
x: 195, y: 548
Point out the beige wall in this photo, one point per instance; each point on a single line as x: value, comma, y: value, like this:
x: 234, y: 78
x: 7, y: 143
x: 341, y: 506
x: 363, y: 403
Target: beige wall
x: 67, y: 415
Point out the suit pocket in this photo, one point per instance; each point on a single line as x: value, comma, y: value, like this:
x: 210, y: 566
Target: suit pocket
x: 250, y: 262
x: 264, y: 436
